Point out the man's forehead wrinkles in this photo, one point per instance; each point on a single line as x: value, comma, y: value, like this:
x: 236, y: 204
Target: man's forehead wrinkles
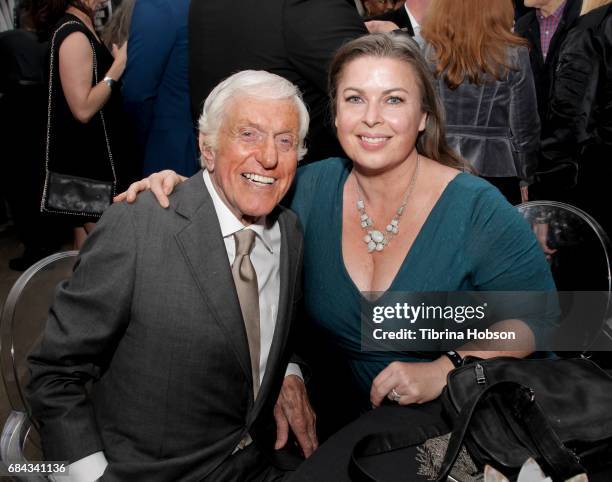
x: 284, y: 129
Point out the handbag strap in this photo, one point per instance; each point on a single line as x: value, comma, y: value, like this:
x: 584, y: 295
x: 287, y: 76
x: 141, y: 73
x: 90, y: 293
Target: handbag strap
x: 562, y: 461
x: 95, y: 76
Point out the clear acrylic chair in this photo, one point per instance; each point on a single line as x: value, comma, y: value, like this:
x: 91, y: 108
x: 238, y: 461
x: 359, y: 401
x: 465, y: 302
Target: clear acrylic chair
x: 21, y: 328
x: 579, y: 253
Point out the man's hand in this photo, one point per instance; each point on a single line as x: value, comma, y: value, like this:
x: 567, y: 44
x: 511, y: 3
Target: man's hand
x: 380, y: 26
x: 293, y: 410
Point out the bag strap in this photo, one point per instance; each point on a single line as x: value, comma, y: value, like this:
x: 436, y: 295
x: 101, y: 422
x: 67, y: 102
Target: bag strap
x: 48, y: 137
x: 562, y: 461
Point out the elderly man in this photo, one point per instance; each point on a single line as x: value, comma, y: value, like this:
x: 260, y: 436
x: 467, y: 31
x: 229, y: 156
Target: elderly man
x: 181, y: 317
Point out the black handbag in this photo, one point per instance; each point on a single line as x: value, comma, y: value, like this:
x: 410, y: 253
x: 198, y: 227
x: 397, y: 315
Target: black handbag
x: 506, y: 410
x: 72, y: 195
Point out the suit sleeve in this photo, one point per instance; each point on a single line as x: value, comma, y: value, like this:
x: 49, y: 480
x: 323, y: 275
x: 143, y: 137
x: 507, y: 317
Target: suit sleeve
x: 152, y: 37
x: 524, y: 119
x: 318, y: 29
x: 88, y: 317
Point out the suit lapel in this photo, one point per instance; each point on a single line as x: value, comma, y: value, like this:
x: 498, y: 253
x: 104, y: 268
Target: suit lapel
x: 287, y: 269
x: 201, y: 243
x: 403, y: 21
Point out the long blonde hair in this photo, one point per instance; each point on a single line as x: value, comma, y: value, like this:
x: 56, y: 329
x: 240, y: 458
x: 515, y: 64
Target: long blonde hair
x: 588, y: 5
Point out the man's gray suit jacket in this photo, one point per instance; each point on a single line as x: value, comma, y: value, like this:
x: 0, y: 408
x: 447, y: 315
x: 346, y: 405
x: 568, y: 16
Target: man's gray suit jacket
x: 151, y: 316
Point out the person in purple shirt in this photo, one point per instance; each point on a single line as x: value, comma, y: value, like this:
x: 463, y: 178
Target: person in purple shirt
x: 545, y: 28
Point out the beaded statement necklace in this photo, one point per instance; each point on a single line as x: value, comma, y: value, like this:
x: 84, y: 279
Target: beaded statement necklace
x: 377, y: 239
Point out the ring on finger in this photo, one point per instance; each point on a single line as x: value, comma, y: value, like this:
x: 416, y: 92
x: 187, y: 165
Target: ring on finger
x: 394, y: 396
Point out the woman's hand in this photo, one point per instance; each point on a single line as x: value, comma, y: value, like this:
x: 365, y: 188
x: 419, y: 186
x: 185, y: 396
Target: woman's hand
x: 417, y: 382
x: 160, y: 183
x: 120, y: 55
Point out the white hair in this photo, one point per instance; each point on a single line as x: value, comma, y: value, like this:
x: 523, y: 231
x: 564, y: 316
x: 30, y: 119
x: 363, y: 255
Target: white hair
x: 251, y: 83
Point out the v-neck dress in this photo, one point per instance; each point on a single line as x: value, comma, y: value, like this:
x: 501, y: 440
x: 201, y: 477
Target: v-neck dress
x: 473, y: 240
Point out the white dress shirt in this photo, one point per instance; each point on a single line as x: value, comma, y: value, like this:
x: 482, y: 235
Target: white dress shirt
x: 265, y: 257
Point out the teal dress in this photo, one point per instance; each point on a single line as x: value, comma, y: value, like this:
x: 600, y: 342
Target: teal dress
x: 473, y: 240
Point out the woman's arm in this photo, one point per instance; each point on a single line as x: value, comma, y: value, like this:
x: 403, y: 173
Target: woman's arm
x: 504, y: 256
x: 75, y: 71
x: 160, y: 183
x: 422, y: 382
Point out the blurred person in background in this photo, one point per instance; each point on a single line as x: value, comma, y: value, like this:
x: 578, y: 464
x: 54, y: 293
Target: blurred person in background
x: 156, y: 86
x: 408, y: 17
x: 545, y: 27
x: 485, y: 82
x: 295, y: 39
x: 23, y: 115
x: 579, y: 140
x: 377, y: 7
x: 78, y: 135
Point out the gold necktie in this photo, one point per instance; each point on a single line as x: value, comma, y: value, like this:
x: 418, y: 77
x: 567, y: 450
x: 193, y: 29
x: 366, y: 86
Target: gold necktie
x: 245, y: 279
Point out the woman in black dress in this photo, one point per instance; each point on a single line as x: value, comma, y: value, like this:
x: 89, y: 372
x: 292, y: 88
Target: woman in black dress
x: 87, y: 131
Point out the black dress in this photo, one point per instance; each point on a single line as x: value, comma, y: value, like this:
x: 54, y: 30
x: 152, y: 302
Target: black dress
x: 80, y: 149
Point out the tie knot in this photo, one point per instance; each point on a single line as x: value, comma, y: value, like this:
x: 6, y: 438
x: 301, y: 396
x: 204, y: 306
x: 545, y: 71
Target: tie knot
x: 244, y: 241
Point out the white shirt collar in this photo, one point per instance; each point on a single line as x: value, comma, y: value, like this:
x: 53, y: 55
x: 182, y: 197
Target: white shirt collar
x: 415, y: 25
x: 230, y: 224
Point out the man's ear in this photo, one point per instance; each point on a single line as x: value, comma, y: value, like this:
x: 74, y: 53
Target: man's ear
x: 208, y: 155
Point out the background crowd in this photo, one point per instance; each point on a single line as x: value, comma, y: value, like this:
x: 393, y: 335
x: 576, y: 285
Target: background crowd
x: 178, y: 51
x: 176, y: 55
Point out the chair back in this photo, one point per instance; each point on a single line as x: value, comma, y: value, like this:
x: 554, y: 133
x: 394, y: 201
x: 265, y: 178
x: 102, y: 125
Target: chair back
x: 22, y: 325
x: 579, y: 253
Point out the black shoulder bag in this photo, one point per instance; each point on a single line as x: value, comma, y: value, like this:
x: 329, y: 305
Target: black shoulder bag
x: 506, y: 410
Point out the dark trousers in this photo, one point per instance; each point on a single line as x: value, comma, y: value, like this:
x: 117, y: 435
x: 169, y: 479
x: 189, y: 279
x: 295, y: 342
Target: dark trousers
x: 248, y: 465
x: 330, y: 461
